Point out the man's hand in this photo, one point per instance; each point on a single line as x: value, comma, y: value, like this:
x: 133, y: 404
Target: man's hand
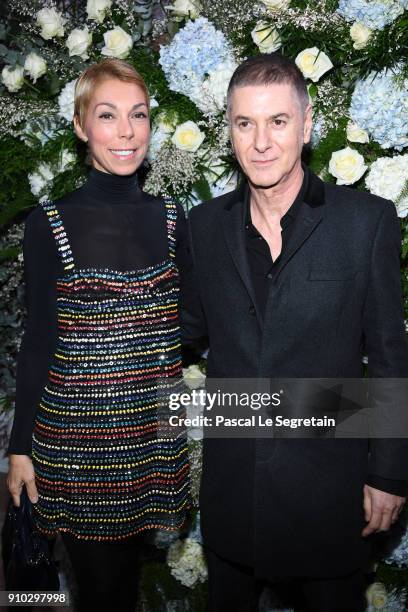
x: 381, y: 510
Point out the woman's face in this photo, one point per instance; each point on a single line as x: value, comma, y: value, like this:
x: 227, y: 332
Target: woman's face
x: 117, y: 127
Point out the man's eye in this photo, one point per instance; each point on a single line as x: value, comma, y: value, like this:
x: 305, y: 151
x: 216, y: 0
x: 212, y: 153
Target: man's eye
x: 243, y: 124
x: 279, y: 122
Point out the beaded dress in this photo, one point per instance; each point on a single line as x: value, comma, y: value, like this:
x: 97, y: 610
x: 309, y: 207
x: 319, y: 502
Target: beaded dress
x: 102, y: 471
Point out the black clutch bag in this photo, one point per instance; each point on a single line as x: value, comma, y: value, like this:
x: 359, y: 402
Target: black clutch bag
x: 27, y: 554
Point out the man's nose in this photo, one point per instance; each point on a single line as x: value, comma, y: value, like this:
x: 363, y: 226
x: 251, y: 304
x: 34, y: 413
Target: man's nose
x: 262, y: 140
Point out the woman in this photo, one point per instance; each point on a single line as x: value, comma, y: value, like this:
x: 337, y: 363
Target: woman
x: 101, y: 268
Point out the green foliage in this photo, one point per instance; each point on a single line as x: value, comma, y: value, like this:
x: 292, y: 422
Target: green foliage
x: 16, y: 162
x: 335, y: 140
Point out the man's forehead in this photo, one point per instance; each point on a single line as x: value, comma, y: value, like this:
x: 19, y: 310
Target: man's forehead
x: 276, y: 97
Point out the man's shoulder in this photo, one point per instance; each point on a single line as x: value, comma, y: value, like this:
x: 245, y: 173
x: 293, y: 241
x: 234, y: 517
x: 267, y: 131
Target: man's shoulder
x: 351, y: 199
x: 213, y: 207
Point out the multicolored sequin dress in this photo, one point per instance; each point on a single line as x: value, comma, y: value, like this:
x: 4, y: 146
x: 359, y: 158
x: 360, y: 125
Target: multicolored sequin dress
x: 102, y: 470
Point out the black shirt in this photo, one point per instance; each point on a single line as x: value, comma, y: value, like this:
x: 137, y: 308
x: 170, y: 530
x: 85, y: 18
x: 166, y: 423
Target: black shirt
x: 261, y: 265
x: 110, y: 223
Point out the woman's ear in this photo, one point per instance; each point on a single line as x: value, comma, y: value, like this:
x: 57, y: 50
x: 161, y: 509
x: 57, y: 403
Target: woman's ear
x: 79, y: 131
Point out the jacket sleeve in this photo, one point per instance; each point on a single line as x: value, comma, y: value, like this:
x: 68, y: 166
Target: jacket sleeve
x: 193, y: 324
x: 387, y: 350
x: 41, y: 266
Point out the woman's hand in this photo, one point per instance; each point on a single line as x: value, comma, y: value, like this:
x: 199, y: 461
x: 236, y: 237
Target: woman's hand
x: 21, y: 472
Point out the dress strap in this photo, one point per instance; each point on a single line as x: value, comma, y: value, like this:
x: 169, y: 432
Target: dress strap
x: 60, y: 235
x: 171, y: 215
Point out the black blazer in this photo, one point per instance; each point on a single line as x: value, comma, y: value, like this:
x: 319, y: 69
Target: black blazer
x: 294, y: 507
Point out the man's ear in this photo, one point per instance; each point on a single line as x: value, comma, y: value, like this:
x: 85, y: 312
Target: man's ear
x: 79, y: 131
x: 307, y: 124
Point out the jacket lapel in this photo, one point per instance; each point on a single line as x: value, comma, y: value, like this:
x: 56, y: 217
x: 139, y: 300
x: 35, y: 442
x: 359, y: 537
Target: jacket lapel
x: 233, y: 227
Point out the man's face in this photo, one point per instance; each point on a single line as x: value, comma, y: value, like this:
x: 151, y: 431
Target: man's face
x: 268, y: 130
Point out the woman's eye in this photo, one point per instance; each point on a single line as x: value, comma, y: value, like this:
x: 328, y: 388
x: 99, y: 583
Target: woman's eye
x: 105, y: 115
x: 140, y: 116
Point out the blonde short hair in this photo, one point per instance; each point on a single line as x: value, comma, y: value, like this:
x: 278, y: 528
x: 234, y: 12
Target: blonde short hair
x: 109, y: 68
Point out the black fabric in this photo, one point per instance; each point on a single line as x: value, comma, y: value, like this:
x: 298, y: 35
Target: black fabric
x: 235, y: 587
x: 110, y: 223
x: 263, y: 270
x: 107, y: 573
x: 27, y: 554
x: 295, y: 506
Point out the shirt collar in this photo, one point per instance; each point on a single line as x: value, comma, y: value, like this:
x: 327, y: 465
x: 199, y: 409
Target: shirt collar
x: 291, y: 212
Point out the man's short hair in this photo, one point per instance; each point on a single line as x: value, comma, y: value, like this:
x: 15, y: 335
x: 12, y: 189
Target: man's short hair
x: 266, y: 69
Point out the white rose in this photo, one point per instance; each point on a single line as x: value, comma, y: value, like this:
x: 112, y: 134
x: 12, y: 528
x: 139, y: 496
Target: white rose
x: 66, y: 101
x: 347, y: 165
x: 51, y: 23
x: 188, y: 136
x: 376, y: 595
x: 355, y: 133
x: 97, y: 9
x: 313, y: 63
x: 186, y: 8
x: 13, y: 77
x: 276, y: 5
x: 360, y: 34
x: 118, y: 43
x: 193, y: 377
x: 78, y: 42
x: 266, y: 37
x: 35, y: 66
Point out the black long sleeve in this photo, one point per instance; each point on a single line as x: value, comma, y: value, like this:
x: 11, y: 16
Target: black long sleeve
x: 110, y: 223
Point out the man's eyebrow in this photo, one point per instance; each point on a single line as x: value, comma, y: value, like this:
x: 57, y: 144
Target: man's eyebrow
x: 114, y: 106
x: 276, y: 116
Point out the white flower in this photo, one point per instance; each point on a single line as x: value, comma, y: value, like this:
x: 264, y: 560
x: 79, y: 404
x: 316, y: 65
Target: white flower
x: 313, y: 63
x: 355, y: 133
x: 35, y: 66
x: 118, y: 43
x: 213, y: 95
x: 66, y: 101
x: 66, y: 159
x: 276, y: 5
x: 387, y: 178
x: 266, y: 37
x: 193, y: 377
x: 51, y: 23
x: 347, y: 165
x: 376, y: 595
x: 360, y: 34
x: 188, y: 136
x: 13, y: 77
x: 78, y: 42
x: 187, y: 562
x: 97, y: 9
x: 38, y: 180
x: 186, y: 8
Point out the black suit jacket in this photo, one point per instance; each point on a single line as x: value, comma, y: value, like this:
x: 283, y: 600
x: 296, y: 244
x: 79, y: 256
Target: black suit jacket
x: 294, y: 507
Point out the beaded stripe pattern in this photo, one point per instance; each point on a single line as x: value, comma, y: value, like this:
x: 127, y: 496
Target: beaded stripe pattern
x: 103, y: 471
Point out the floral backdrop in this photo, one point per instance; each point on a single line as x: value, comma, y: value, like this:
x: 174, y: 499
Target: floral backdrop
x: 354, y: 54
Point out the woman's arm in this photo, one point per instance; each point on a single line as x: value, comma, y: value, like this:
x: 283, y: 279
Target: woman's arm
x: 41, y: 269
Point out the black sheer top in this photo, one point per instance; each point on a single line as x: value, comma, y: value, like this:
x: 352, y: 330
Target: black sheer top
x: 110, y: 223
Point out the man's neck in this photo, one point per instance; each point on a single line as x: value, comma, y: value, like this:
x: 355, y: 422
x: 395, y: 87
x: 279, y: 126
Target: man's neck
x: 276, y: 200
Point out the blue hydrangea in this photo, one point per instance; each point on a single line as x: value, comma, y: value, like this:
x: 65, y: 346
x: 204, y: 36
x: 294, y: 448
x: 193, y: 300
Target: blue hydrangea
x: 195, y: 50
x: 380, y: 105
x: 375, y: 14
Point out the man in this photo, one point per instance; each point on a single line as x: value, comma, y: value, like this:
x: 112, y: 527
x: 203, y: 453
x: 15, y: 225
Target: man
x: 296, y: 278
